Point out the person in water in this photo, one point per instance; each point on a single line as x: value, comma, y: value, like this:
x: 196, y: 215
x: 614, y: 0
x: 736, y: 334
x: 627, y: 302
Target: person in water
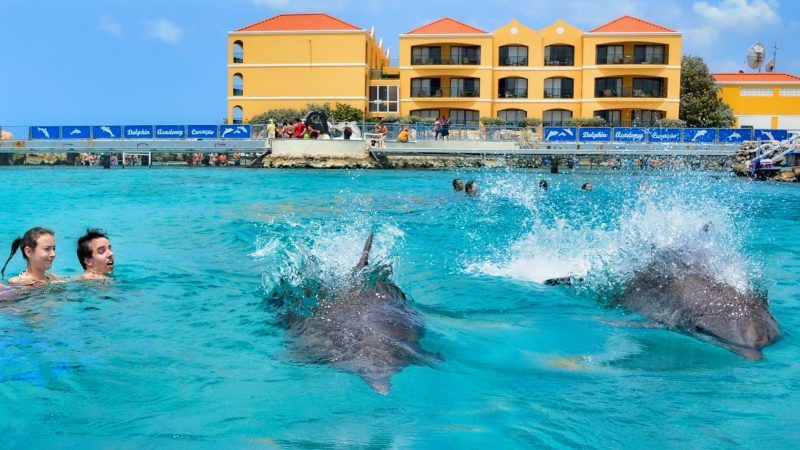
x: 543, y: 185
x: 587, y: 187
x: 458, y: 184
x: 471, y: 187
x: 38, y: 247
x: 95, y: 255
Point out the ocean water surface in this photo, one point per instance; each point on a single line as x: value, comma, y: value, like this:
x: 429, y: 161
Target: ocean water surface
x: 183, y: 349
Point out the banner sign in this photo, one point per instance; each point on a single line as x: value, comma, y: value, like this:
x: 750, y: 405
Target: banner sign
x: 138, y: 132
x: 76, y: 132
x: 664, y: 135
x: 560, y: 134
x: 735, y: 135
x: 594, y: 134
x: 45, y: 132
x: 234, y: 131
x: 629, y: 134
x: 203, y: 132
x: 107, y: 131
x: 170, y: 131
x: 771, y: 135
x: 699, y: 135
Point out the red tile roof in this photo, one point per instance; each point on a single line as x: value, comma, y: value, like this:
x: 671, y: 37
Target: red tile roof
x: 300, y: 22
x: 755, y: 77
x: 447, y: 25
x: 630, y: 24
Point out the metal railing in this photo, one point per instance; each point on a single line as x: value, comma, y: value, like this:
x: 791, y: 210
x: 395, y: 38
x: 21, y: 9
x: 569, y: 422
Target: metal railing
x: 445, y: 91
x: 630, y: 60
x: 630, y: 92
x: 559, y: 62
x: 466, y: 61
x: 558, y: 93
x: 514, y: 61
x: 513, y: 93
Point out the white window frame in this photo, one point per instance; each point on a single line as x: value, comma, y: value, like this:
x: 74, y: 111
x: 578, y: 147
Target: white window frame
x: 755, y: 91
x: 384, y: 99
x: 789, y: 92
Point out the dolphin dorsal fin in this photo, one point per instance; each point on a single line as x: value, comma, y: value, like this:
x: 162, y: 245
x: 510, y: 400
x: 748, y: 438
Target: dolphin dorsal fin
x: 365, y: 253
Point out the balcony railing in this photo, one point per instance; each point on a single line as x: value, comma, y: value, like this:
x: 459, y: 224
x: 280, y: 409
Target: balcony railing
x: 630, y: 92
x: 558, y: 93
x: 631, y: 60
x: 238, y: 59
x: 514, y: 61
x: 513, y: 93
x: 444, y: 91
x: 238, y: 91
x: 466, y: 61
x: 559, y: 62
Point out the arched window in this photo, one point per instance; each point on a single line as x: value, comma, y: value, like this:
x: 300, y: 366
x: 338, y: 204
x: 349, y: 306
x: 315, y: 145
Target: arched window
x: 238, y: 115
x: 513, y: 55
x: 426, y: 113
x: 512, y: 87
x: 555, y: 117
x: 558, y: 87
x: 464, y: 116
x: 559, y: 55
x: 238, y: 52
x: 238, y: 84
x: 514, y: 116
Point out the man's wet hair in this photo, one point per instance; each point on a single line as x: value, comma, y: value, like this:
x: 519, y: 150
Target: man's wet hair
x: 458, y: 184
x: 83, y: 244
x: 543, y: 184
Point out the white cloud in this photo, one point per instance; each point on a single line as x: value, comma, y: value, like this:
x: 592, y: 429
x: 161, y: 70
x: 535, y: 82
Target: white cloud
x: 164, y: 30
x: 738, y: 14
x: 109, y: 25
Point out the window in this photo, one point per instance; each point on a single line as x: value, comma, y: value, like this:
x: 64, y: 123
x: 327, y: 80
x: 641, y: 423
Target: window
x: 789, y: 92
x: 238, y: 52
x: 238, y: 84
x: 426, y: 87
x: 465, y: 55
x: 513, y: 55
x: 608, y: 87
x: 610, y: 54
x: 383, y: 99
x: 558, y: 88
x: 648, y: 87
x: 645, y: 117
x: 556, y: 117
x: 648, y: 54
x: 559, y: 55
x: 755, y: 92
x: 426, y: 113
x: 238, y: 115
x: 463, y: 116
x: 426, y: 55
x: 613, y: 117
x: 512, y: 88
x: 465, y: 87
x: 512, y: 115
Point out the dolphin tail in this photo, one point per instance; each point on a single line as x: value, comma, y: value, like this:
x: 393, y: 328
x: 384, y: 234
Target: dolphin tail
x: 365, y: 253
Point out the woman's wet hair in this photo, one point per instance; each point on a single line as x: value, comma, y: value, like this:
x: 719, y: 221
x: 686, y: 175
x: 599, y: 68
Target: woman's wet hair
x: 84, y: 251
x: 27, y: 240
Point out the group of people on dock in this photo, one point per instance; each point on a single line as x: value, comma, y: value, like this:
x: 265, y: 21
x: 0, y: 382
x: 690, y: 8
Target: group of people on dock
x: 38, y: 249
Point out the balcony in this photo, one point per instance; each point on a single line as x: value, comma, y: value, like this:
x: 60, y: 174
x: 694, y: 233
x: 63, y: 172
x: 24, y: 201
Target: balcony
x: 445, y: 61
x: 238, y: 91
x: 513, y: 93
x: 558, y: 93
x: 559, y: 62
x: 445, y: 91
x: 630, y: 93
x: 514, y: 61
x: 238, y: 59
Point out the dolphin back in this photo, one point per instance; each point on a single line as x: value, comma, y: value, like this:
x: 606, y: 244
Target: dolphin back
x: 365, y: 253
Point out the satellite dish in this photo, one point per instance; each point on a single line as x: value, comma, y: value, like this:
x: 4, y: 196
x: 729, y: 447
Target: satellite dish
x: 770, y: 66
x: 755, y: 56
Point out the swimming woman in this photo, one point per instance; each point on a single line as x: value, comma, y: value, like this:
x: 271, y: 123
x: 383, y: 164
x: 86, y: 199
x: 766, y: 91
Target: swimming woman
x: 39, y: 250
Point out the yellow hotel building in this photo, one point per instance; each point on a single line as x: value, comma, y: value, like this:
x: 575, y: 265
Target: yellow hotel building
x: 626, y: 71
x: 762, y: 100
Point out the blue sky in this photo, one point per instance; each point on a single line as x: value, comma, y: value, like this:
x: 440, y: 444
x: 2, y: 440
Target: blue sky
x: 145, y: 61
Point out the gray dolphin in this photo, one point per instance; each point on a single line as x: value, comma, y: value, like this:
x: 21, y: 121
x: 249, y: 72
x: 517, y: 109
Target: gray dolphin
x: 363, y: 326
x: 676, y: 291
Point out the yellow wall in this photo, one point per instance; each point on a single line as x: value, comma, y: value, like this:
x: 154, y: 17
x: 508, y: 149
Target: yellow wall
x: 780, y: 111
x: 290, y: 70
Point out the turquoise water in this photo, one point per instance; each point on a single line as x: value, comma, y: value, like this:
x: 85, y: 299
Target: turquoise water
x: 182, y: 349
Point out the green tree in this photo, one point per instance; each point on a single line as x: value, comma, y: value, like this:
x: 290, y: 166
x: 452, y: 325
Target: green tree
x: 346, y: 113
x: 701, y: 105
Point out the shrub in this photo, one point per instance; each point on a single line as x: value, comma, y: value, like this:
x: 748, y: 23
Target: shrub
x: 531, y: 122
x: 346, y: 113
x: 492, y: 121
x: 585, y: 122
x: 670, y: 123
